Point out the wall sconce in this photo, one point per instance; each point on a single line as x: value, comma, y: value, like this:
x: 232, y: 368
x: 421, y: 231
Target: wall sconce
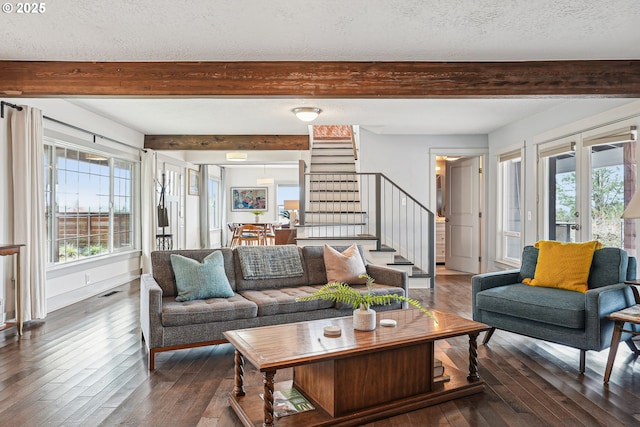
x: 307, y: 114
x: 236, y: 157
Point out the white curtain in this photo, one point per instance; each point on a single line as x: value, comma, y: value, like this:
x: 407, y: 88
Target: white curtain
x: 203, y: 206
x: 148, y: 208
x: 27, y: 155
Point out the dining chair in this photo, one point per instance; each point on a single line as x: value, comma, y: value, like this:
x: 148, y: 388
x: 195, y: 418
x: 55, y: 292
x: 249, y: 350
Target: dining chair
x: 250, y: 234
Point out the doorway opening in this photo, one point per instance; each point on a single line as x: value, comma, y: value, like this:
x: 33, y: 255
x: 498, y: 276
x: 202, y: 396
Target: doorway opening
x: 458, y: 196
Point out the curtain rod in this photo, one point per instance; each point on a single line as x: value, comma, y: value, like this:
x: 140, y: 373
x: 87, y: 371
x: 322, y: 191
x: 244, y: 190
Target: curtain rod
x: 8, y: 104
x: 95, y: 135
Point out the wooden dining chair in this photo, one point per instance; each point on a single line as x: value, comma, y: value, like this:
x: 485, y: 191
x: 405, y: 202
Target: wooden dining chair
x: 251, y: 235
x: 269, y: 235
x: 234, y: 229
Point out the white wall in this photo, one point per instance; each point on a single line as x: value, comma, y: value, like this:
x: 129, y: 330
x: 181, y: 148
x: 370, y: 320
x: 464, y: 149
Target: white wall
x: 247, y: 176
x: 571, y: 117
x: 406, y: 160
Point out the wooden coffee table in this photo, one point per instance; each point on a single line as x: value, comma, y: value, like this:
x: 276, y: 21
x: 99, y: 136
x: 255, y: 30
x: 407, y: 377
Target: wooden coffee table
x: 357, y: 377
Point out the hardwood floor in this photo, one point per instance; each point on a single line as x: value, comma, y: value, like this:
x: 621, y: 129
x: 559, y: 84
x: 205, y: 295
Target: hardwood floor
x: 85, y: 366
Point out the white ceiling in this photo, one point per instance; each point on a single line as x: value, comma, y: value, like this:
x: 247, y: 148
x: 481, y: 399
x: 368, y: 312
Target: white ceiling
x: 334, y: 30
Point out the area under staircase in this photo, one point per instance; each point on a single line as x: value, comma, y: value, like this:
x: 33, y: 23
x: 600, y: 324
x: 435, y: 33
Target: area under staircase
x: 342, y: 206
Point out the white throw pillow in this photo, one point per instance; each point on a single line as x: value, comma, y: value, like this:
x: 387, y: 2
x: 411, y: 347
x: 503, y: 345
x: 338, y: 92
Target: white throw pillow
x: 344, y: 267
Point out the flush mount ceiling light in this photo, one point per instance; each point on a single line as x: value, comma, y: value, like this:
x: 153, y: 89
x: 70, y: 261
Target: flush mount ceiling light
x: 306, y: 114
x: 236, y: 157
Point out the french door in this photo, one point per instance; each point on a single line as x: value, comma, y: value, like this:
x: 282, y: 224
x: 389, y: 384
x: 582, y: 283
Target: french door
x: 586, y: 181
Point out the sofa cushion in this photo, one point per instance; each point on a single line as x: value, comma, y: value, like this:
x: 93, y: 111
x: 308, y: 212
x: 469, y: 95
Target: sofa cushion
x: 314, y: 262
x: 609, y: 266
x: 563, y: 265
x: 163, y: 271
x: 344, y: 267
x: 547, y: 305
x: 529, y: 261
x: 281, y: 301
x: 206, y: 311
x: 200, y: 280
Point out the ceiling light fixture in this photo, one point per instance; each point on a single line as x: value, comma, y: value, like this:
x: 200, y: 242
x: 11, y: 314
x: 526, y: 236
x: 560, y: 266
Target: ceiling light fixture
x: 236, y: 157
x: 307, y: 114
x: 265, y: 180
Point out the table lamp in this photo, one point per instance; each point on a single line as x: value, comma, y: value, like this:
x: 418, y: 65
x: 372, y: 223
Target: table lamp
x: 633, y: 208
x: 292, y: 206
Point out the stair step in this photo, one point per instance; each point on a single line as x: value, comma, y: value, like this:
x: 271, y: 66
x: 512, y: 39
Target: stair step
x: 329, y: 197
x: 337, y: 207
x: 331, y: 160
x: 332, y: 152
x: 329, y: 169
x: 330, y: 224
x: 331, y: 144
x: 400, y: 263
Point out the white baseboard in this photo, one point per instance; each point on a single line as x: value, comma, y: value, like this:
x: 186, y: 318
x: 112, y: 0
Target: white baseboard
x: 59, y: 301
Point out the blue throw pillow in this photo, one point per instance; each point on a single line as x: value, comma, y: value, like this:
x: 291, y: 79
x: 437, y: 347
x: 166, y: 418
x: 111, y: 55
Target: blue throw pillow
x: 196, y: 280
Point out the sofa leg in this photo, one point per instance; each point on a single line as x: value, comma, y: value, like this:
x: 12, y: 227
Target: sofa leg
x: 487, y: 335
x: 152, y: 360
x: 583, y: 357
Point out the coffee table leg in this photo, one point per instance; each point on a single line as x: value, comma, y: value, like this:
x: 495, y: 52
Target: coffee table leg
x: 613, y: 349
x: 238, y: 389
x: 473, y: 358
x: 268, y: 398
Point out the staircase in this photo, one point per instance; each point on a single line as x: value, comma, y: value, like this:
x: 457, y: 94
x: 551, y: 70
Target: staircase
x: 343, y: 206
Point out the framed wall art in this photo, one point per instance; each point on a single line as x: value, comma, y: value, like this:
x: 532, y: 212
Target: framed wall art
x: 249, y: 198
x: 193, y: 183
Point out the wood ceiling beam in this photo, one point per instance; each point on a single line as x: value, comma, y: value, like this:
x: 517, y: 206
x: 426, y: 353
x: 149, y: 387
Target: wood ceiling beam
x: 619, y: 78
x: 227, y: 142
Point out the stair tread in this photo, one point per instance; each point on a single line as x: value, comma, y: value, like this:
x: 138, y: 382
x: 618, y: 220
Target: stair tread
x: 362, y: 237
x: 334, y: 191
x: 400, y: 263
x: 331, y: 224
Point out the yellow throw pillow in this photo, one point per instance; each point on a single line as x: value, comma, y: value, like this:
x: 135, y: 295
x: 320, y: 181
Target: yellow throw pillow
x: 563, y: 265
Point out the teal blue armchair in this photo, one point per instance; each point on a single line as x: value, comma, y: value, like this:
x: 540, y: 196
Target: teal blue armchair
x: 577, y: 320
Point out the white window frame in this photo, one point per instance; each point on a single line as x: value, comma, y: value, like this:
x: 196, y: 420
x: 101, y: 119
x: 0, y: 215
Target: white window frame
x: 73, y: 143
x: 508, y: 154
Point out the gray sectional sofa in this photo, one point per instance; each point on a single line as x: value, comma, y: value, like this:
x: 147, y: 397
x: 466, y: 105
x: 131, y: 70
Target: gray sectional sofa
x: 502, y: 301
x: 170, y: 325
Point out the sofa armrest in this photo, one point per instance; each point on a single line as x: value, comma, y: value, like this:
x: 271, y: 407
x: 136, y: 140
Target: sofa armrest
x: 484, y: 281
x: 391, y: 277
x: 151, y: 311
x: 600, y: 302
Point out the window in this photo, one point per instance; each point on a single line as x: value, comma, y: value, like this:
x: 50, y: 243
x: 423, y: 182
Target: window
x: 214, y: 203
x: 89, y: 203
x: 287, y: 192
x: 510, y: 201
x: 613, y: 183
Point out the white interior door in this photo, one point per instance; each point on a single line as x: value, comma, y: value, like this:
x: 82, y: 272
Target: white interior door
x: 462, y: 223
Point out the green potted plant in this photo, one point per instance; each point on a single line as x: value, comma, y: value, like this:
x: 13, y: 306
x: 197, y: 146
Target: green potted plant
x: 364, y: 318
x: 257, y: 214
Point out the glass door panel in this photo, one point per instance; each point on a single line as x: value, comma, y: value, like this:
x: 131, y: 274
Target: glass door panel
x: 562, y: 216
x: 613, y: 178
